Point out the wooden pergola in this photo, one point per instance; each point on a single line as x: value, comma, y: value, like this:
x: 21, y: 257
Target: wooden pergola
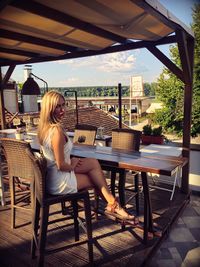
x: 48, y: 30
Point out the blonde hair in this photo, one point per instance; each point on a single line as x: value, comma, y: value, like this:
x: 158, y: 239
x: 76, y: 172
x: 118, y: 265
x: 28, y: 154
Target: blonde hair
x: 47, y: 117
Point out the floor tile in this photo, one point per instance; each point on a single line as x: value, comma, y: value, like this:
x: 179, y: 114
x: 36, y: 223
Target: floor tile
x: 192, y: 221
x: 181, y: 234
x: 182, y: 247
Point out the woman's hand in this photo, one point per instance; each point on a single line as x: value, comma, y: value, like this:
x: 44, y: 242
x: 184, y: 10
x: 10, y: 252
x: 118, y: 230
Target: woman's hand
x: 75, y: 162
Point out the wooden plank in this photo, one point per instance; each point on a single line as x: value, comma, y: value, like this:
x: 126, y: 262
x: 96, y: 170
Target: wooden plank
x: 113, y: 246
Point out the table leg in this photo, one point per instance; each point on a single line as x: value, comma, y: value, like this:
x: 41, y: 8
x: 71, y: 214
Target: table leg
x: 148, y: 220
x: 121, y: 187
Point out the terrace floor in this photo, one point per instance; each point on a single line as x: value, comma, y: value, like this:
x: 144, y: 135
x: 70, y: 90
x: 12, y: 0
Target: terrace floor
x: 179, y: 246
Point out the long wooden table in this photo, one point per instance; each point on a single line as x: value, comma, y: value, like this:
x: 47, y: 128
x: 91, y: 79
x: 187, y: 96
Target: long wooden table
x: 129, y: 160
x: 135, y: 161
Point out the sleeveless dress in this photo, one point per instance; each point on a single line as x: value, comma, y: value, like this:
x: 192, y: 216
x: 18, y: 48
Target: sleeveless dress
x: 58, y: 182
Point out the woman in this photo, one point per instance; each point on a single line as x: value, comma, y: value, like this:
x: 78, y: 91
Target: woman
x: 64, y: 174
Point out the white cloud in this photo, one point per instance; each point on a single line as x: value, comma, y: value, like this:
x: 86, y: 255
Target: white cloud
x: 114, y: 62
x: 71, y: 81
x: 117, y: 62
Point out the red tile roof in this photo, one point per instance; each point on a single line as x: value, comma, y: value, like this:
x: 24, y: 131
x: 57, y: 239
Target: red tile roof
x: 87, y: 115
x: 92, y: 116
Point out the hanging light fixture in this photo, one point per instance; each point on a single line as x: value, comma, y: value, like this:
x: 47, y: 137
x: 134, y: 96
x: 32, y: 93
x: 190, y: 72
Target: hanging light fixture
x: 30, y: 87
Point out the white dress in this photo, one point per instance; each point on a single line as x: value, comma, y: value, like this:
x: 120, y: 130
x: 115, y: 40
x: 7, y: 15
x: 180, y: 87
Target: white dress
x: 58, y: 182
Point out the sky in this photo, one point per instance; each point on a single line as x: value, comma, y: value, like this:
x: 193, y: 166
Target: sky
x: 110, y: 69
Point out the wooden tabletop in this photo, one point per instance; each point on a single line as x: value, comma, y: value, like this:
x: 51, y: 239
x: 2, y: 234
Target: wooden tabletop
x: 130, y: 160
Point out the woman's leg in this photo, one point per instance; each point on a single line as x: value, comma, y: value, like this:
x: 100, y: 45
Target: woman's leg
x: 94, y: 178
x: 89, y: 174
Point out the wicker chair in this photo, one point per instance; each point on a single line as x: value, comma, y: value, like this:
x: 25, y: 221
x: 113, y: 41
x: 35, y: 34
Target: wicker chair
x: 43, y: 201
x: 130, y: 140
x: 19, y: 167
x: 85, y: 134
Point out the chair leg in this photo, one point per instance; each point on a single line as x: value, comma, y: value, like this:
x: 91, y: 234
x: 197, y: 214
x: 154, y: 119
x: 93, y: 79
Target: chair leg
x: 76, y: 223
x: 32, y: 192
x: 42, y: 234
x: 96, y: 208
x: 63, y: 207
x: 89, y: 226
x: 35, y: 226
x: 12, y: 200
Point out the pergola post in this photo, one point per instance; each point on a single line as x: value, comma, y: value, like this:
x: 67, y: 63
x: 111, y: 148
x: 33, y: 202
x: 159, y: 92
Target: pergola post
x: 186, y: 50
x: 3, y: 84
x: 2, y: 110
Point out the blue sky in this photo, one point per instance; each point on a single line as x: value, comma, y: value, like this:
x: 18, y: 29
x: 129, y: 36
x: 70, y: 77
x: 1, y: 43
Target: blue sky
x: 108, y: 69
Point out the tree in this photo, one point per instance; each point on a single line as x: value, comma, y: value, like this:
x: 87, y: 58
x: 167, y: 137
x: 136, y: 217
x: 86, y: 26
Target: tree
x: 196, y: 86
x: 170, y: 89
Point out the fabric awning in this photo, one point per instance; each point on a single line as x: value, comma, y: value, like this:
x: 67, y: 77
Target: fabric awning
x: 46, y: 30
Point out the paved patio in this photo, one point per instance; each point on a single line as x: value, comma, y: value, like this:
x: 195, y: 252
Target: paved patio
x: 182, y: 247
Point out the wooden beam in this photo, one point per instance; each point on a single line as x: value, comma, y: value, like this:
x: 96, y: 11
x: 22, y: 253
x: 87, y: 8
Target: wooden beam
x: 187, y: 118
x: 55, y: 15
x: 4, y: 3
x: 2, y: 110
x: 184, y: 56
x: 3, y: 83
x: 79, y: 54
x: 155, y: 12
x: 7, y: 75
x: 35, y: 40
x: 167, y: 62
x: 18, y: 52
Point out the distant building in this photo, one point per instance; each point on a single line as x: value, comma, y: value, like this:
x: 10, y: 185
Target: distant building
x: 106, y: 103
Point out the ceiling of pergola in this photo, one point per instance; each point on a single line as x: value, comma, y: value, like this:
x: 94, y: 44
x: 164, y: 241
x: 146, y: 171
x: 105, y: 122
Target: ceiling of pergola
x: 47, y: 30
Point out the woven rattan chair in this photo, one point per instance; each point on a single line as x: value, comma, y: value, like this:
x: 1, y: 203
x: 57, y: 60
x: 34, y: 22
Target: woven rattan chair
x: 41, y: 216
x: 130, y: 140
x: 19, y: 167
x: 43, y: 201
x: 85, y: 134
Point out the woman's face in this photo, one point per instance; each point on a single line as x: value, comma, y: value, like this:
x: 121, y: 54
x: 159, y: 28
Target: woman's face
x: 60, y: 109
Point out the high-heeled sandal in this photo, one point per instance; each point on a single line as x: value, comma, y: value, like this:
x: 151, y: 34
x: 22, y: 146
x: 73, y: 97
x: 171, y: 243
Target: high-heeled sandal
x: 114, y: 209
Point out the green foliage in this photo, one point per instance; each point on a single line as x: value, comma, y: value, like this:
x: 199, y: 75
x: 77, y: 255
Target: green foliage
x: 19, y: 85
x: 101, y: 91
x: 147, y: 130
x: 170, y: 90
x: 156, y: 131
x: 94, y: 91
x: 149, y: 89
x: 196, y: 84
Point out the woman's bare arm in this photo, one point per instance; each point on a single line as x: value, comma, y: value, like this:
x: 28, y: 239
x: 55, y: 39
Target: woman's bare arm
x: 58, y: 142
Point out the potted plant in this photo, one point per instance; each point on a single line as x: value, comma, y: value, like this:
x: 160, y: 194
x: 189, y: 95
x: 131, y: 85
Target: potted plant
x: 152, y: 135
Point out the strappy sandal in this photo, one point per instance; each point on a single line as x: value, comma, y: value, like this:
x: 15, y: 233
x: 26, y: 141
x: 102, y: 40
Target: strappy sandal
x: 114, y: 209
